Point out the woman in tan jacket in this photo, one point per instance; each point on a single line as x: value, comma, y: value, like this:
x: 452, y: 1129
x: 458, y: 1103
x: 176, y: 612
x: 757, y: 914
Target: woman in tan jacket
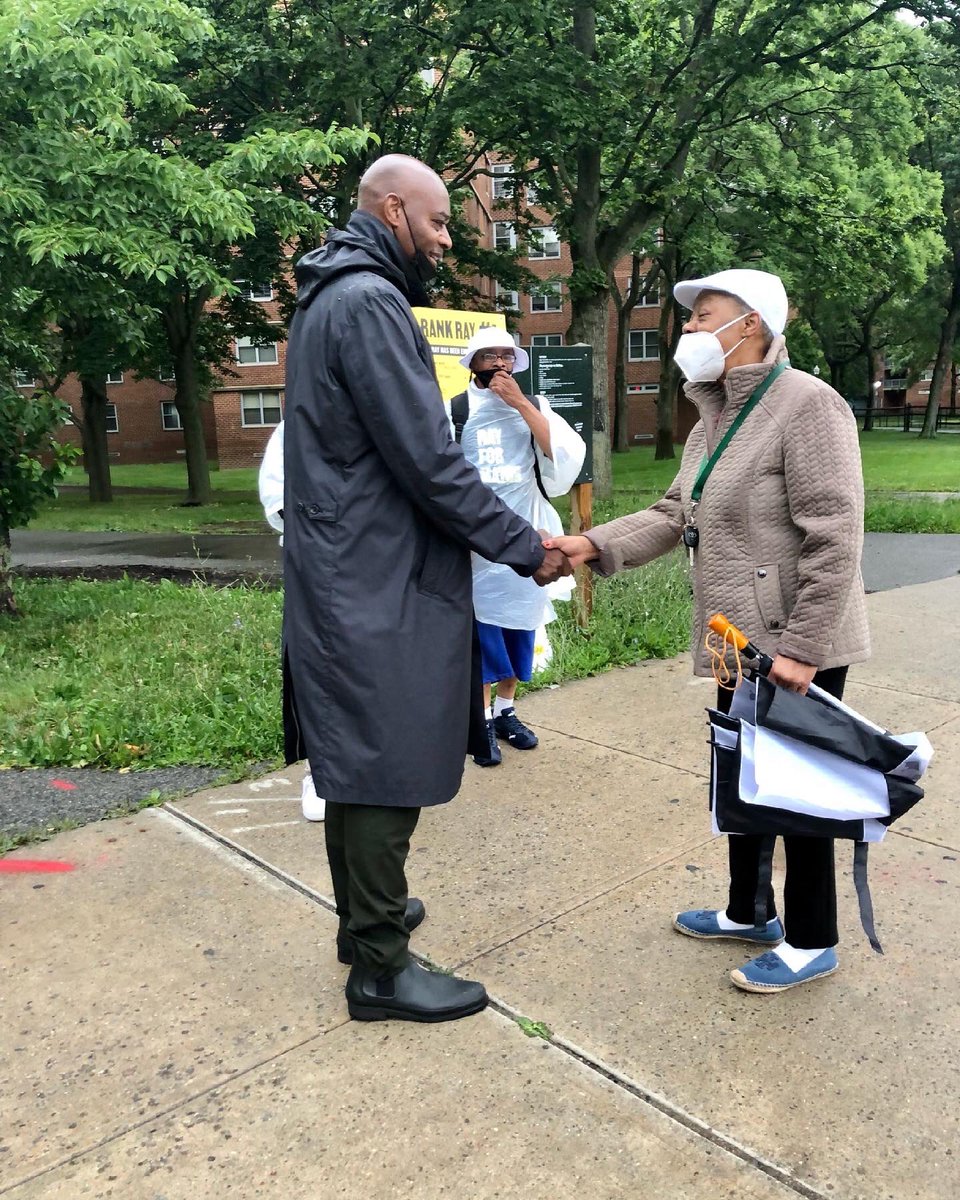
x: 774, y: 527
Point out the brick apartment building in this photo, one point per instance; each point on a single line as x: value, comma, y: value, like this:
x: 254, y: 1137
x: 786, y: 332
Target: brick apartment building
x: 247, y: 403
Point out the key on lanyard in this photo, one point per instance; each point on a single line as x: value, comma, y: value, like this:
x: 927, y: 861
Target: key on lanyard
x: 691, y: 534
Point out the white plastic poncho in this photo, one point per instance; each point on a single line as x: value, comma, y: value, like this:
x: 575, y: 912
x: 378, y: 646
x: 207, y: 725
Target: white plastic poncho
x: 270, y: 479
x: 496, y: 439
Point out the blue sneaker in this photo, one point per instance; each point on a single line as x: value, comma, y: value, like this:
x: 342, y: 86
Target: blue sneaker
x: 509, y: 727
x: 769, y: 973
x: 493, y: 757
x: 702, y: 923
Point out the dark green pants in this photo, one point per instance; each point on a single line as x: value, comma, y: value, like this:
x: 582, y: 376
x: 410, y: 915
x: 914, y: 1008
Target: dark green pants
x: 367, y: 847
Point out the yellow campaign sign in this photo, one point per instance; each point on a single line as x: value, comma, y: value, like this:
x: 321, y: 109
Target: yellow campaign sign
x: 448, y: 331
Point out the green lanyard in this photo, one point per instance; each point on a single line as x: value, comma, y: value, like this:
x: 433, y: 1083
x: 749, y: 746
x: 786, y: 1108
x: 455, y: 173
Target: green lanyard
x: 708, y: 464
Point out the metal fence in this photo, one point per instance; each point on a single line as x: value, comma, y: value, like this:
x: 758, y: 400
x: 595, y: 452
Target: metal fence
x: 908, y: 417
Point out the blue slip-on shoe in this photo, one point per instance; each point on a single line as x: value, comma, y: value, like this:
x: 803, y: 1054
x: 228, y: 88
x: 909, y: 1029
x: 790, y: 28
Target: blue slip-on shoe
x: 702, y: 923
x: 769, y: 973
x: 509, y: 727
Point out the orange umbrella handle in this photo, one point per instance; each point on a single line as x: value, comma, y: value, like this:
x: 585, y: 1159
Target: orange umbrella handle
x: 727, y: 630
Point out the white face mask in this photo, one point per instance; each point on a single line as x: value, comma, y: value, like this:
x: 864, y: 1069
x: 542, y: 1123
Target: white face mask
x: 700, y: 356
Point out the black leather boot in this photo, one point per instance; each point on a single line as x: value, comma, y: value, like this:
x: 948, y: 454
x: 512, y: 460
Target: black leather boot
x: 416, y: 994
x: 412, y: 917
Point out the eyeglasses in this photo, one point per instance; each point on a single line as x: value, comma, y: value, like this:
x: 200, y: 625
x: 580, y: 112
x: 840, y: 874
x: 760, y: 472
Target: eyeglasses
x: 491, y: 356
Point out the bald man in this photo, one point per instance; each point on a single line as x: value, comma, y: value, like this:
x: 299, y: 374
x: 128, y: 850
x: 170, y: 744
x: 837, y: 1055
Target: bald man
x: 381, y: 512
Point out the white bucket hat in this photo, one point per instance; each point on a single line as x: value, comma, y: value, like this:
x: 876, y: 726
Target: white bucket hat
x: 763, y: 292
x: 491, y: 337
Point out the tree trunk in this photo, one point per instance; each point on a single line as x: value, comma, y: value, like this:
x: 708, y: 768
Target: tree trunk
x: 948, y: 335
x: 93, y: 432
x: 669, y: 335
x: 181, y: 318
x: 590, y: 324
x: 836, y: 373
x: 625, y: 306
x: 870, y: 357
x: 589, y: 282
x: 187, y: 400
x: 8, y: 603
x: 621, y: 412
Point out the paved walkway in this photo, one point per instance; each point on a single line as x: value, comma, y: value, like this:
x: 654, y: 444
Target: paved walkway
x: 889, y: 559
x: 174, y: 1024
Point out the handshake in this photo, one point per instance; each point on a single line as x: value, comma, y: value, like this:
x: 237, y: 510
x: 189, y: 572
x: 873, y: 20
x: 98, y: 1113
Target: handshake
x: 562, y: 555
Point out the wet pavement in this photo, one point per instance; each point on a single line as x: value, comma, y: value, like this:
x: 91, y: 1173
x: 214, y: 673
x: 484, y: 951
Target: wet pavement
x: 890, y: 560
x: 35, y: 802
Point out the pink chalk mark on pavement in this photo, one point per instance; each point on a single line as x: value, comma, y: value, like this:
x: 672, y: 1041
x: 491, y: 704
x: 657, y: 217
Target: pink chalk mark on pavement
x: 40, y: 866
x: 63, y: 784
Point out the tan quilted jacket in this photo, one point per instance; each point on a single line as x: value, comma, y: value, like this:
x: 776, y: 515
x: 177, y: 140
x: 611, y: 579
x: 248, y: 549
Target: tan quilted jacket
x: 780, y: 519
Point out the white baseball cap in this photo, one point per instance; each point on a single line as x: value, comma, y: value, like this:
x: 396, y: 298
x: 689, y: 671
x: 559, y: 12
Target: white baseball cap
x: 761, y: 290
x: 491, y: 337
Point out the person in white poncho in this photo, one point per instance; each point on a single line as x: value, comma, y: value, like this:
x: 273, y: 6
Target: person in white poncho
x: 524, y: 452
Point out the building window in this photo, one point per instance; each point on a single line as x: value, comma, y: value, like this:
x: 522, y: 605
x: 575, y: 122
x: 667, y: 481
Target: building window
x: 644, y: 345
x: 254, y: 291
x: 544, y: 243
x: 502, y: 183
x: 113, y: 425
x: 652, y: 298
x: 23, y: 379
x: 167, y: 375
x: 548, y: 299
x: 260, y: 408
x: 926, y: 376
x: 507, y: 299
x: 114, y: 377
x: 504, y: 236
x: 169, y: 416
x: 249, y: 354
x: 547, y: 339
x: 533, y: 196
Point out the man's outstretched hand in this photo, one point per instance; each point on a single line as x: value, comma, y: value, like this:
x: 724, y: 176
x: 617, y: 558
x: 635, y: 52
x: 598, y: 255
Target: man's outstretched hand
x: 555, y: 565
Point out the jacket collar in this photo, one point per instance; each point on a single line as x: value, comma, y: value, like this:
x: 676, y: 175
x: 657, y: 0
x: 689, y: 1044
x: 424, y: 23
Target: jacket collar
x: 366, y: 244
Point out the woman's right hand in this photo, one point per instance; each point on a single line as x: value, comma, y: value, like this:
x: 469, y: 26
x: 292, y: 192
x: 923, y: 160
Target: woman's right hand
x: 576, y: 547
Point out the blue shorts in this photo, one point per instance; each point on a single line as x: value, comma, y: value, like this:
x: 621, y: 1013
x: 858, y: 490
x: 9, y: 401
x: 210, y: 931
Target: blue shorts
x: 506, y: 653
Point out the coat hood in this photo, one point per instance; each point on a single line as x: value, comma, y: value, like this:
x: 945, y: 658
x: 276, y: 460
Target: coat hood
x: 365, y: 245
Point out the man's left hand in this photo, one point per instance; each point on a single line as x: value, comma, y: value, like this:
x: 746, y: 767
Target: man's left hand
x: 507, y: 388
x: 791, y: 674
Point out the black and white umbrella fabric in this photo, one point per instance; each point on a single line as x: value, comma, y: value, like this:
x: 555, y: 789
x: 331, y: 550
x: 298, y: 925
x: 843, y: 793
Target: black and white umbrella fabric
x: 785, y: 763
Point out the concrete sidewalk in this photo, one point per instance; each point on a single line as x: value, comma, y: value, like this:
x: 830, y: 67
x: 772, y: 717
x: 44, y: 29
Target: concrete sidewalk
x: 175, y: 1025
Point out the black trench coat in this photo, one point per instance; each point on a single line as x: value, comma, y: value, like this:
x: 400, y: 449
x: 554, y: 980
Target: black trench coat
x: 381, y: 511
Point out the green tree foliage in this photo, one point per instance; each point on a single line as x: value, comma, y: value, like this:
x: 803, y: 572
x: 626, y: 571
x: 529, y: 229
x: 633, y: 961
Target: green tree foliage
x: 98, y: 171
x: 32, y: 462
x: 607, y: 102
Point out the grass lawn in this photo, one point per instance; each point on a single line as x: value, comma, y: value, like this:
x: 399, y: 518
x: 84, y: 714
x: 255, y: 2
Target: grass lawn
x: 897, y: 462
x: 170, y: 475
x: 231, y: 512
x: 128, y: 674
x: 892, y: 462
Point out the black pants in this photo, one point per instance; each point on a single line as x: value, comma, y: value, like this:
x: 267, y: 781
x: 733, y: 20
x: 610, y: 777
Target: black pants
x: 367, y: 848
x: 810, y: 887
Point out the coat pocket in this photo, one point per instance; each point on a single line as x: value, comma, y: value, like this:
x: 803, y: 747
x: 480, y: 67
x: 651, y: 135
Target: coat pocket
x: 439, y: 573
x: 766, y: 584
